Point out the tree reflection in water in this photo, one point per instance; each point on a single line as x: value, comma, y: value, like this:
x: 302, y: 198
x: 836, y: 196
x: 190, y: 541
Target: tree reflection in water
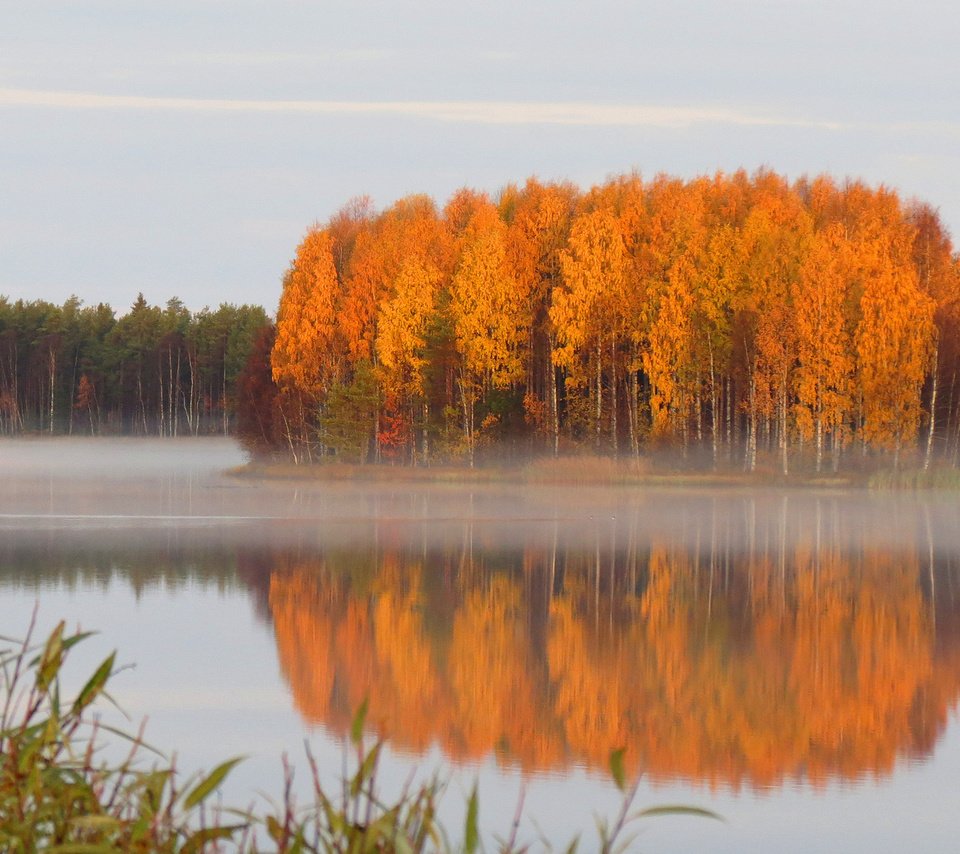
x: 747, y: 649
x: 728, y: 639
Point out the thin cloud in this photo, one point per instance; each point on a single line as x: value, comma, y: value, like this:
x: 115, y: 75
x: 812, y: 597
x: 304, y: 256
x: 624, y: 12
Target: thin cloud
x: 477, y: 112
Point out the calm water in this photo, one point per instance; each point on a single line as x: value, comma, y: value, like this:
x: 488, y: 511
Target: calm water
x: 790, y: 660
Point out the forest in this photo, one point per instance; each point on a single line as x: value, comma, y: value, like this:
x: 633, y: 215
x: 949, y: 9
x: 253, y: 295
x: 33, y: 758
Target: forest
x: 731, y: 320
x: 81, y: 370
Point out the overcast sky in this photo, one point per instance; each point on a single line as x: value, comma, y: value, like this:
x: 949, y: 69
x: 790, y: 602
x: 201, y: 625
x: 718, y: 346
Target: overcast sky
x: 183, y: 148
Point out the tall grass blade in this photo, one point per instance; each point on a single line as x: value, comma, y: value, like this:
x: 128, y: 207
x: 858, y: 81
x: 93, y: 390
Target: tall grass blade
x: 82, y: 848
x: 366, y: 771
x: 95, y: 685
x: 50, y: 658
x: 675, y: 809
x: 616, y: 768
x: 198, y: 840
x: 209, y: 783
x: 471, y: 835
x: 359, y: 719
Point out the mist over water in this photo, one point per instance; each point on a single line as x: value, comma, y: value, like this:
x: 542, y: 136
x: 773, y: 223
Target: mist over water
x: 788, y: 658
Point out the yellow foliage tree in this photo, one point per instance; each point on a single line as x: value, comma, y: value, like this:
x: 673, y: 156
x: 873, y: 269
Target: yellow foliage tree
x: 491, y: 318
x: 587, y: 310
x: 895, y: 335
x: 823, y: 379
x: 676, y: 245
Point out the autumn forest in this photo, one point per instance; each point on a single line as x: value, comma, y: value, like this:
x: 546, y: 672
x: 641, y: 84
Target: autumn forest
x: 734, y: 320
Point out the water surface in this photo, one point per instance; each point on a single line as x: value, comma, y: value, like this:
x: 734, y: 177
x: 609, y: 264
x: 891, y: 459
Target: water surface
x: 788, y: 659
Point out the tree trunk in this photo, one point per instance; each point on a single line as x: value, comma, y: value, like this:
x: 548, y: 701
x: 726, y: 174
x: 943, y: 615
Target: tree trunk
x: 837, y: 446
x: 698, y: 413
x: 599, y: 397
x: 751, y: 446
x: 933, y: 410
x: 948, y: 432
x: 96, y: 405
x: 73, y: 385
x: 728, y: 387
x: 160, y: 411
x: 819, y: 440
x: 223, y: 391
x: 424, y: 434
x: 179, y: 389
x: 289, y: 437
x: 53, y: 385
x: 466, y: 402
x: 473, y: 434
x: 171, y: 400
x: 863, y: 435
x: 189, y: 407
x: 783, y: 427
x: 684, y: 423
x: 143, y: 407
x: 613, y: 394
x: 554, y: 402
x: 713, y: 408
x: 554, y: 409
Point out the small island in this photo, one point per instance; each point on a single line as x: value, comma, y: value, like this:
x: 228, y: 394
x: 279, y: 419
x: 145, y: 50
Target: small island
x: 730, y: 322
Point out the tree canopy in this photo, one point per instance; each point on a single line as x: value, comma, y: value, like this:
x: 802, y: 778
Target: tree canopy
x: 731, y: 318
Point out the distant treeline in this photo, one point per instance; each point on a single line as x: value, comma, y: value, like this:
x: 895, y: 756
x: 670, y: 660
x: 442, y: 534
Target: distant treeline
x: 730, y: 319
x: 80, y: 369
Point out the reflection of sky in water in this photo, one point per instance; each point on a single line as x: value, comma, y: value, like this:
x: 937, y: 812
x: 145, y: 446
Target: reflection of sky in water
x: 169, y: 595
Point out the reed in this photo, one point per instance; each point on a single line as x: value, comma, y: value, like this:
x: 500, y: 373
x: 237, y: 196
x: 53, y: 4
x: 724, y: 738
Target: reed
x: 915, y: 479
x: 56, y: 795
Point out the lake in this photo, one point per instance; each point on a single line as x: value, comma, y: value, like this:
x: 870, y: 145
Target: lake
x: 787, y: 659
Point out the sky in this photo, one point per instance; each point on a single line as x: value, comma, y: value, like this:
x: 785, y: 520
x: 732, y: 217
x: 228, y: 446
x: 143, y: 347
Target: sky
x: 183, y: 148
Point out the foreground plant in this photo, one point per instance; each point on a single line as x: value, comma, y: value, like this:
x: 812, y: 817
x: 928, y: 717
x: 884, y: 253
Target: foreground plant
x: 55, y: 792
x: 57, y: 795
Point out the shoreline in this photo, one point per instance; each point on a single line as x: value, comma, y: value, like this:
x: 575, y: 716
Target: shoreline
x: 564, y: 472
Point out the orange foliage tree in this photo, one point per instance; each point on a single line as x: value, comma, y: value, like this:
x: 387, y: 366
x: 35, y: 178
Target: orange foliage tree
x: 757, y: 320
x: 895, y: 335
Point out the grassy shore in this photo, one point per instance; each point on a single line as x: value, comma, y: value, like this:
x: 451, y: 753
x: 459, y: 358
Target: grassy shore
x: 564, y: 471
x: 583, y: 471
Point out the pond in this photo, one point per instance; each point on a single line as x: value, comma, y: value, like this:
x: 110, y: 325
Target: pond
x: 787, y: 659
